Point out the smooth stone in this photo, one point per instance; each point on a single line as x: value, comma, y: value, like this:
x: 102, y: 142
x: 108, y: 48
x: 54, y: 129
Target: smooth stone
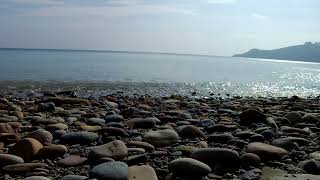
x: 219, y: 159
x: 143, y: 172
x: 114, y: 131
x: 185, y: 116
x: 250, y: 159
x: 269, y: 173
x: 25, y: 167
x: 6, y: 128
x: 58, y: 126
x: 73, y: 177
x: 140, y: 144
x: 36, y: 178
x: 72, y: 160
x: 8, y: 159
x: 43, y: 136
x: 161, y: 138
x: 310, y: 118
x: 26, y: 148
x: 60, y: 101
x: 287, y: 129
x: 266, y: 151
x: 288, y: 143
x: 116, y: 150
x: 8, y: 138
x: 310, y: 166
x: 79, y: 137
x: 136, y: 150
x: 95, y: 121
x: 50, y: 107
x: 315, y: 155
x: 220, y: 138
x: 114, y: 118
x: 293, y: 116
x: 186, y: 149
x: 252, y: 115
x: 191, y: 131
x: 52, y: 151
x: 143, y: 123
x: 110, y: 171
x: 187, y: 167
x: 136, y: 159
x: 90, y: 128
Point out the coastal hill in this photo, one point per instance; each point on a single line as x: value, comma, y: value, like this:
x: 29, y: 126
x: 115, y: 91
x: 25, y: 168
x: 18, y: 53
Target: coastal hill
x: 306, y: 52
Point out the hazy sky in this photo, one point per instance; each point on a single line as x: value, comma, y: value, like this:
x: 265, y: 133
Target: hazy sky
x: 215, y: 27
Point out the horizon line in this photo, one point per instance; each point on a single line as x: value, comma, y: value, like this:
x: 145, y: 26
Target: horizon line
x: 110, y: 51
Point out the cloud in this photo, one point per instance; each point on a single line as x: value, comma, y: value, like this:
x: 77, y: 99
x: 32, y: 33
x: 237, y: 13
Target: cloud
x: 259, y: 16
x: 36, y: 2
x: 108, y: 11
x: 221, y: 1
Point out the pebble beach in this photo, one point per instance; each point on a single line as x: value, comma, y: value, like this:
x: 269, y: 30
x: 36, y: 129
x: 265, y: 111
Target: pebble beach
x: 61, y: 135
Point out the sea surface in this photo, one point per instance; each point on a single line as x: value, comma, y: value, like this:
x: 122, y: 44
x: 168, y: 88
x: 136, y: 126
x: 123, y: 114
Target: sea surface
x: 155, y: 73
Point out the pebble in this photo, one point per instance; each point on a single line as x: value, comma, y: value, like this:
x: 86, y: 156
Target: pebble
x: 161, y: 138
x: 140, y: 144
x: 266, y: 151
x: 143, y: 172
x: 188, y: 167
x: 110, y: 171
x: 220, y: 159
x: 252, y: 115
x: 144, y: 123
x: 43, y: 136
x: 25, y: 167
x: 293, y: 117
x: 114, y: 118
x: 72, y: 160
x: 74, y: 177
x: 52, y: 151
x: 116, y: 150
x: 8, y: 159
x: 26, y: 148
x: 79, y: 137
x: 36, y: 178
x: 191, y: 131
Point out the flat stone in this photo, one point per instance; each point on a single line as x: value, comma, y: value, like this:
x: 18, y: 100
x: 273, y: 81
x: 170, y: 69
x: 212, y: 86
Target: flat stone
x: 188, y: 167
x: 191, y: 131
x: 266, y: 151
x: 58, y: 101
x: 79, y: 137
x: 220, y: 159
x: 110, y: 170
x: 72, y: 160
x: 293, y: 116
x: 26, y: 167
x: 116, y: 150
x: 140, y: 144
x: 26, y: 148
x: 113, y: 131
x: 58, y: 126
x: 288, y: 142
x: 95, y: 121
x: 43, y: 136
x: 114, y: 118
x: 90, y: 128
x: 143, y: 172
x: 52, y: 151
x: 252, y: 115
x: 6, y: 128
x: 36, y: 178
x: 8, y: 159
x: 144, y: 123
x: 74, y: 177
x: 161, y: 138
x: 269, y: 173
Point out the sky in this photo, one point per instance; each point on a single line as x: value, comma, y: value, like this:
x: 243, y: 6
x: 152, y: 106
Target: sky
x: 208, y: 27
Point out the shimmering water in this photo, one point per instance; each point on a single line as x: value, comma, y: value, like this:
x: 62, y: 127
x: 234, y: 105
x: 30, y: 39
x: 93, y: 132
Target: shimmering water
x: 169, y: 73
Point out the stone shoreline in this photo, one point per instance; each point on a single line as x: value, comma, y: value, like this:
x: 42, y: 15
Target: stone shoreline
x: 142, y: 137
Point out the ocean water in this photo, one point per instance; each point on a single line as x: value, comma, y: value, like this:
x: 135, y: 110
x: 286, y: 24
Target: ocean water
x: 160, y: 73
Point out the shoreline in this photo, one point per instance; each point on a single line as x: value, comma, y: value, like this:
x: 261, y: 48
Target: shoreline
x: 223, y: 138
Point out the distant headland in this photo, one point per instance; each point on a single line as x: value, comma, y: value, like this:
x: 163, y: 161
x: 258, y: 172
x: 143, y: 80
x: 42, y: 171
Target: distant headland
x: 307, y: 52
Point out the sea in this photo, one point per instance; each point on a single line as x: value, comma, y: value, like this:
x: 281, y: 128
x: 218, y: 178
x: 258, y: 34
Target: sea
x: 161, y: 74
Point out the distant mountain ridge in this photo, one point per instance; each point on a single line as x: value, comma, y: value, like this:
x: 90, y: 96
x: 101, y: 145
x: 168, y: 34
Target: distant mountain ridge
x: 307, y: 52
